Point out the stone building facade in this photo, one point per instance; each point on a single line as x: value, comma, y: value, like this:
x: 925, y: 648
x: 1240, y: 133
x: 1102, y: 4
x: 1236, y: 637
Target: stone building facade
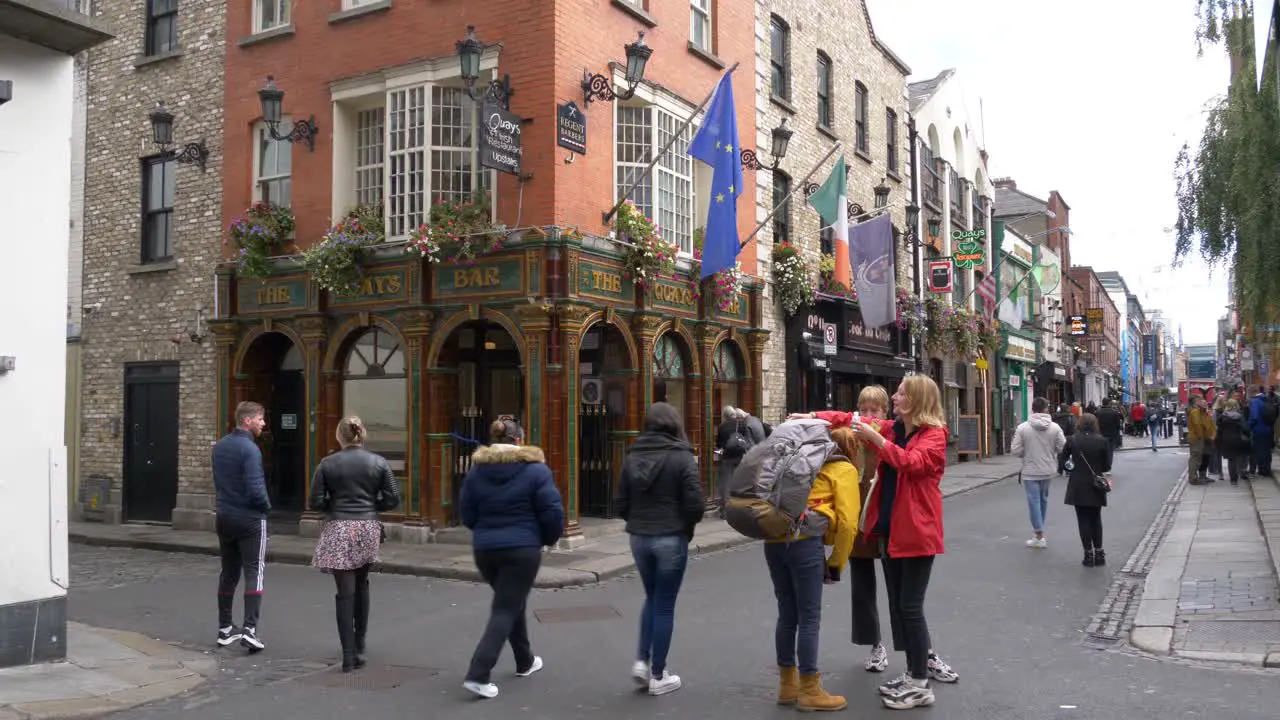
x: 820, y: 67
x: 152, y: 239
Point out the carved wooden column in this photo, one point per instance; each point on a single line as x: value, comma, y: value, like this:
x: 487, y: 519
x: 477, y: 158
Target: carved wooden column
x: 645, y: 328
x: 314, y: 330
x: 563, y: 413
x: 416, y: 326
x: 535, y: 321
x: 710, y: 414
x: 756, y: 341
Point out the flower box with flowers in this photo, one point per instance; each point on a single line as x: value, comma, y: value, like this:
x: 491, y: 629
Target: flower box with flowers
x: 458, y: 231
x: 647, y: 256
x: 725, y: 285
x: 338, y: 261
x: 262, y: 232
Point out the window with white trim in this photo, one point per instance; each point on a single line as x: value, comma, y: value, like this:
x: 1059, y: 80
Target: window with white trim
x: 370, y: 158
x: 642, y: 131
x: 349, y: 4
x: 273, y: 167
x: 270, y: 14
x: 700, y: 24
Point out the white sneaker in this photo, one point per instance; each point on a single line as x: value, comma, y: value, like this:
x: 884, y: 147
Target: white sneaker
x: 878, y: 660
x: 1038, y: 543
x: 484, y: 690
x: 535, y: 667
x: 665, y: 684
x: 640, y: 673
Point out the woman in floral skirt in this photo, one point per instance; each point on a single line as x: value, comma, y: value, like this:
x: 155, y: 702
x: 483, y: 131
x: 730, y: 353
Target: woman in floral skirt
x: 351, y: 487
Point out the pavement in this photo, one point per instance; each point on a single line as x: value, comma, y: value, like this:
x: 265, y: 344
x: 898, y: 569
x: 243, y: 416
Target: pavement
x: 1133, y: 442
x: 105, y: 671
x: 1014, y: 622
x: 1213, y: 592
x: 606, y: 553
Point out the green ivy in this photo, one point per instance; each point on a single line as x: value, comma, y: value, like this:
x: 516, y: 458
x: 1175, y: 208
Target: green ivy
x: 1228, y: 188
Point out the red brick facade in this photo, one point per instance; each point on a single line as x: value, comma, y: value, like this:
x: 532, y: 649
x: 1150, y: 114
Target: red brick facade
x: 1084, y: 292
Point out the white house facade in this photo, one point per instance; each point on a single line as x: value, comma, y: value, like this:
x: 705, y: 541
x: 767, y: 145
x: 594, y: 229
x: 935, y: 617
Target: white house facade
x: 38, y: 42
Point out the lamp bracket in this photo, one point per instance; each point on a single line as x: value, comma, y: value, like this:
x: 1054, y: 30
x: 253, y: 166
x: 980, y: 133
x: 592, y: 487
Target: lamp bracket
x: 302, y: 131
x: 499, y: 91
x: 598, y: 87
x: 194, y: 153
x: 751, y: 161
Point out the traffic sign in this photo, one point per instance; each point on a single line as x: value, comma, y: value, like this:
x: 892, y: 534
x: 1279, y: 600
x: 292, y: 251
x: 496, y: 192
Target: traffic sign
x: 829, y: 339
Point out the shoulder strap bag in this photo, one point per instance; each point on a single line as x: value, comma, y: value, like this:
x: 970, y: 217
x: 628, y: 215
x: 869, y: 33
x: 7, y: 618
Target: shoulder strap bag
x: 1100, y: 483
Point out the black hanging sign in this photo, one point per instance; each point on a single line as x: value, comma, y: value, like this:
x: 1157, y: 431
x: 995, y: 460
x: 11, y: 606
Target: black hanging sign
x: 500, y: 139
x: 940, y: 277
x: 571, y: 128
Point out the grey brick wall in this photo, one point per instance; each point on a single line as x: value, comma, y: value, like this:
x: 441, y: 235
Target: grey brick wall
x: 841, y: 31
x: 147, y: 312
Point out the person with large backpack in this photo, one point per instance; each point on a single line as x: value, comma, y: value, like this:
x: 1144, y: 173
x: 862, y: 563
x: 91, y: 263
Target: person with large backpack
x: 798, y: 491
x: 736, y: 434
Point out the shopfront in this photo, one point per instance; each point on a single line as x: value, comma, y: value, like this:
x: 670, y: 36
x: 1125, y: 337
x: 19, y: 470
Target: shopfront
x: 548, y: 330
x: 1019, y: 383
x: 1053, y: 381
x: 863, y: 356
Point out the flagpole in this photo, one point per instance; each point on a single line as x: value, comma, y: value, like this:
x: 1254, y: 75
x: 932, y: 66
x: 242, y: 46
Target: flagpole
x: 796, y: 188
x: 648, y: 169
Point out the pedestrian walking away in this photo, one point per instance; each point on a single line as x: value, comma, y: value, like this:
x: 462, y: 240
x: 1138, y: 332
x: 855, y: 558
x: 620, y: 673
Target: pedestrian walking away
x: 1038, y: 441
x: 351, y: 487
x: 1089, y: 485
x: 241, y: 525
x: 1233, y: 440
x: 660, y: 498
x: 1200, y: 432
x: 511, y: 505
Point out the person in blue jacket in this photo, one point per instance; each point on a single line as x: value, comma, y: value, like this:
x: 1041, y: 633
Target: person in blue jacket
x: 1262, y: 422
x: 512, y: 507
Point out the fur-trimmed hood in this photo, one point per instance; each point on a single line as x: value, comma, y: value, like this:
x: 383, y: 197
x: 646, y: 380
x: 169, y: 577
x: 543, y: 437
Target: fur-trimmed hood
x: 501, y: 454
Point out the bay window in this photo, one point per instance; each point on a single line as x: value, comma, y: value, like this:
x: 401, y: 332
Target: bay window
x: 667, y: 194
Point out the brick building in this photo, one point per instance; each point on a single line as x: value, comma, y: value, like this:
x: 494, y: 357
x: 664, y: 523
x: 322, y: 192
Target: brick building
x: 546, y: 328
x: 1087, y: 296
x: 821, y: 68
x: 151, y: 240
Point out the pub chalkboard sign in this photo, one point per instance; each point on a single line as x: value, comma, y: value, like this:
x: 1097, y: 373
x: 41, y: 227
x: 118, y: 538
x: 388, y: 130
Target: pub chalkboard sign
x: 969, y: 435
x: 500, y: 139
x: 571, y: 128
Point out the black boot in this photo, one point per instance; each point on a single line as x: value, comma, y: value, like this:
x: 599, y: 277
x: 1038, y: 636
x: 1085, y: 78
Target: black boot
x: 1088, y: 558
x: 344, y: 607
x: 1099, y: 557
x: 361, y: 619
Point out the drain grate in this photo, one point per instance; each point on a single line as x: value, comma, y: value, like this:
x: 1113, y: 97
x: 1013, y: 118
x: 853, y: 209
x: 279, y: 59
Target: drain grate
x: 577, y: 613
x: 370, y: 677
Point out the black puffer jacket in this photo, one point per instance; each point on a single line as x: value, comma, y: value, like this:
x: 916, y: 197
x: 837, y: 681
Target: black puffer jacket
x: 1234, y: 438
x: 354, y: 484
x: 660, y: 492
x: 1091, y: 454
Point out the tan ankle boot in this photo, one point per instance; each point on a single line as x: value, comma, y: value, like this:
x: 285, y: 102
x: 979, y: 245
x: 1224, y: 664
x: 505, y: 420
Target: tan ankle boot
x: 813, y: 697
x: 788, y: 685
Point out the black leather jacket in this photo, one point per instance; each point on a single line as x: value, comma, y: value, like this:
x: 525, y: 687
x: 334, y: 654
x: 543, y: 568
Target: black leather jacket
x: 354, y: 484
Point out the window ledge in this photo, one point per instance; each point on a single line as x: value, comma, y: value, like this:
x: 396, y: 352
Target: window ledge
x: 145, y: 60
x: 894, y: 176
x: 636, y: 12
x: 864, y: 155
x: 361, y: 11
x: 259, y: 37
x: 705, y: 56
x: 825, y: 130
x: 782, y: 103
x: 154, y: 267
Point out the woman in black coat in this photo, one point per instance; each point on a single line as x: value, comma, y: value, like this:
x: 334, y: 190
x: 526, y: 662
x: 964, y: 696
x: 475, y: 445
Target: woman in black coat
x: 1090, y: 453
x: 1234, y: 441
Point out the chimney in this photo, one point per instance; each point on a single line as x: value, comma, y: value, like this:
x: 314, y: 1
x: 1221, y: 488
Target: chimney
x: 1005, y: 183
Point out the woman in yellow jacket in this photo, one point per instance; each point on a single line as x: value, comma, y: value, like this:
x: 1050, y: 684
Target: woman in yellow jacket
x: 799, y: 567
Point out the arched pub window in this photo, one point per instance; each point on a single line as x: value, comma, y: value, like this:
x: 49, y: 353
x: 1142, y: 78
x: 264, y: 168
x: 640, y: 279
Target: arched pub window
x: 668, y: 372
x: 375, y: 388
x: 727, y: 373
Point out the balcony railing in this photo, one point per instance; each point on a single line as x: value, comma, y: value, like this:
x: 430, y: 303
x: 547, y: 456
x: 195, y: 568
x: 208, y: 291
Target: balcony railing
x: 932, y: 188
x: 957, y: 197
x: 978, y: 203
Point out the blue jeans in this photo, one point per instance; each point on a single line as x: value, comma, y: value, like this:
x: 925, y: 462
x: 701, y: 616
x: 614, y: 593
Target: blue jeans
x: 661, y: 560
x: 797, y: 570
x: 1037, y: 501
x: 1155, y: 430
x: 1262, y: 450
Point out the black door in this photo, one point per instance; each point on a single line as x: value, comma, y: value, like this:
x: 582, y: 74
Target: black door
x: 151, y: 442
x: 287, y: 481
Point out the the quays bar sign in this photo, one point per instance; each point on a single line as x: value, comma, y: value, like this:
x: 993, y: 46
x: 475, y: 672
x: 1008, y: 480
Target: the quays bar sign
x: 384, y: 286
x: 488, y: 279
x: 603, y: 281
x: 271, y: 296
x: 674, y: 296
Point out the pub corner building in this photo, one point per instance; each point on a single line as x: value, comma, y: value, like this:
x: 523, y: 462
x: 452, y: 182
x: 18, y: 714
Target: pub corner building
x: 498, y: 285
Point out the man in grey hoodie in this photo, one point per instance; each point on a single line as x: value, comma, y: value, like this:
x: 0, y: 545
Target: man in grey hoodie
x: 1038, y: 442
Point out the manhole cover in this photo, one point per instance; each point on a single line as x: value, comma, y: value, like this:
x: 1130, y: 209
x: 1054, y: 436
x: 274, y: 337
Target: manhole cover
x: 1233, y: 631
x: 577, y: 613
x: 370, y: 677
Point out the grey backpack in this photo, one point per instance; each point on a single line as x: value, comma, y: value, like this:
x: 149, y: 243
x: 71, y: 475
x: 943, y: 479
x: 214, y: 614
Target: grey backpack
x: 769, y: 491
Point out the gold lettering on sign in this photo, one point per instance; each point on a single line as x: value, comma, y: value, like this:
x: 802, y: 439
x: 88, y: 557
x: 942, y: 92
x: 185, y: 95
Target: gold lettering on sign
x: 673, y: 294
x: 380, y: 285
x: 273, y: 295
x: 609, y: 282
x: 476, y: 278
x: 734, y: 307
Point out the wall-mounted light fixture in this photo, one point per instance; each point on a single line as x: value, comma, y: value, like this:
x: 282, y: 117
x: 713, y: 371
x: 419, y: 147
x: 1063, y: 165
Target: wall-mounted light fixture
x: 6, y: 91
x: 192, y: 153
x: 272, y: 100
x: 599, y: 87
x: 781, y: 136
x: 882, y: 194
x: 469, y: 51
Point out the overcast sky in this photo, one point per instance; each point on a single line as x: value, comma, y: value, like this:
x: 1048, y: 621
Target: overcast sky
x: 1092, y: 98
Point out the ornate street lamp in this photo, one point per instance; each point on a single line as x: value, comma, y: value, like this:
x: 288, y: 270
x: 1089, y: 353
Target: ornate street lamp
x: 913, y: 217
x: 935, y: 226
x: 272, y: 100
x: 882, y: 194
x: 194, y: 153
x: 469, y: 51
x: 598, y: 87
x: 778, y: 149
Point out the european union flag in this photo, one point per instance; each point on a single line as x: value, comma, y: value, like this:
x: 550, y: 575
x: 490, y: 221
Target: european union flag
x: 716, y: 144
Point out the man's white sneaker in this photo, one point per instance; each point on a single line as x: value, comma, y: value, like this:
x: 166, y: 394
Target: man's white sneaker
x: 640, y: 673
x: 249, y: 639
x: 228, y: 636
x: 1038, y: 543
x: 484, y: 690
x: 533, y: 668
x: 878, y: 660
x: 665, y: 684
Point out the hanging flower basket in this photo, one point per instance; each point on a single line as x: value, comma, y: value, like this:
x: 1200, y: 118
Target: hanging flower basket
x: 827, y: 283
x: 648, y: 257
x: 791, y: 278
x: 260, y: 233
x: 910, y: 313
x: 458, y: 231
x: 725, y: 284
x: 337, y: 262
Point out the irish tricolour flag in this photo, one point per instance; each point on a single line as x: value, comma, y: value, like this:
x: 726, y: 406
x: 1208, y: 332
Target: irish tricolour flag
x: 830, y: 201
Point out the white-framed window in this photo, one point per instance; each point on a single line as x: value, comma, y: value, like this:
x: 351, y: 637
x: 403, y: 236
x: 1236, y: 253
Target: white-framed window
x: 667, y: 195
x: 700, y: 23
x: 349, y: 4
x: 370, y: 155
x: 270, y: 14
x: 272, y: 166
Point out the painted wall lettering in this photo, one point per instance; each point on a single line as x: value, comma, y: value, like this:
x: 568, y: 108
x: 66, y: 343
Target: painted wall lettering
x: 606, y: 281
x: 272, y: 295
x: 381, y: 285
x: 674, y: 294
x: 478, y: 277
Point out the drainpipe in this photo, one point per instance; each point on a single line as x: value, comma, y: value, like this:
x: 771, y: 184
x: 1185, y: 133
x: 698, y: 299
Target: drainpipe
x: 916, y: 345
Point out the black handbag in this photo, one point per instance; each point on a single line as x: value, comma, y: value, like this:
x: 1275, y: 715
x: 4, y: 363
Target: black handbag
x: 1100, y: 483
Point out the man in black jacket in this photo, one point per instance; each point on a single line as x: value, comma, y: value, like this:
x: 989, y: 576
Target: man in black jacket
x: 1110, y: 424
x: 241, y: 523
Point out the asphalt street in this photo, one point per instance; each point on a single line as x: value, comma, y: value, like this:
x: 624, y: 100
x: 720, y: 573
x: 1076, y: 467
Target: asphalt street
x: 1009, y: 619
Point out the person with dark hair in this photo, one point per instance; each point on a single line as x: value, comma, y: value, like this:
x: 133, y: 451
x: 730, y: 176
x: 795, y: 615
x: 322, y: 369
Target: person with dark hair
x: 1090, y: 454
x: 351, y: 487
x: 1038, y: 441
x: 241, y: 524
x: 512, y: 507
x: 660, y: 497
